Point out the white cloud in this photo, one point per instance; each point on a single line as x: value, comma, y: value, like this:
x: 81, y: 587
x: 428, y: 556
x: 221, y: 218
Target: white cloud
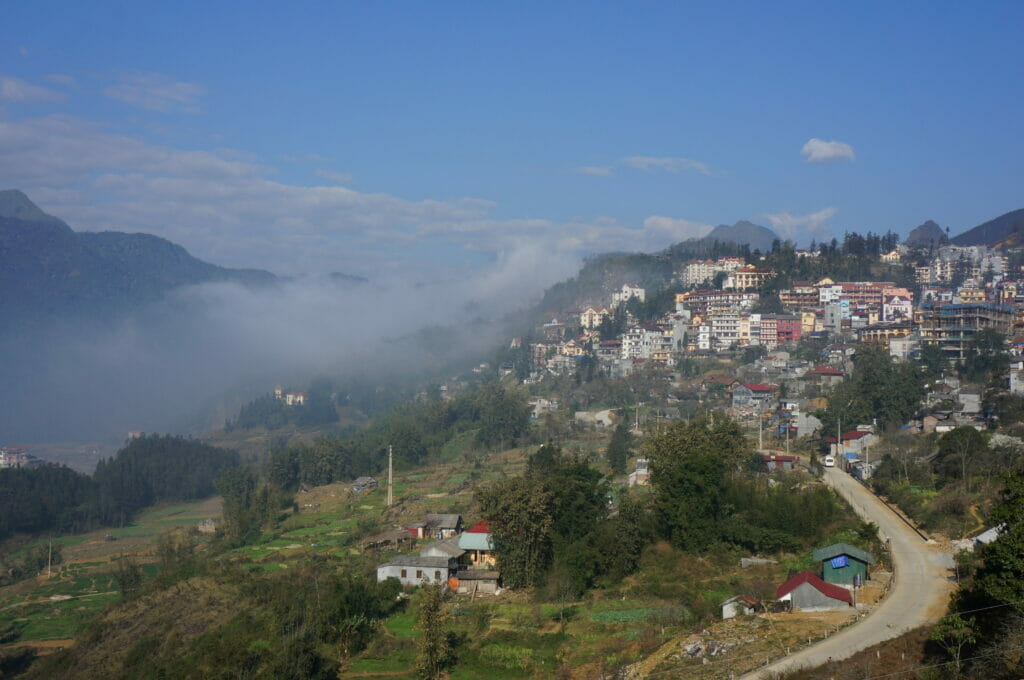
x: 156, y: 92
x: 675, y: 229
x: 666, y: 164
x: 819, y: 151
x: 226, y: 208
x: 801, y: 228
x: 17, y: 90
x: 336, y: 177
x: 62, y: 79
x: 595, y: 171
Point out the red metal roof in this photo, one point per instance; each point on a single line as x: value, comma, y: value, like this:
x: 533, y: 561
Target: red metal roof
x: 826, y: 370
x: 833, y: 591
x: 759, y: 387
x: 855, y: 434
x: 479, y: 528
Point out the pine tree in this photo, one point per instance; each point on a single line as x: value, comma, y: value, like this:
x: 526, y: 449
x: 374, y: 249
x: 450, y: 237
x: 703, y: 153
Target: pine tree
x: 619, y: 448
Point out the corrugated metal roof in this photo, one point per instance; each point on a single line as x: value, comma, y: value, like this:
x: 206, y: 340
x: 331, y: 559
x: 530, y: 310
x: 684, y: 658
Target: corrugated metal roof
x: 476, y: 541
x: 833, y: 591
x: 828, y: 552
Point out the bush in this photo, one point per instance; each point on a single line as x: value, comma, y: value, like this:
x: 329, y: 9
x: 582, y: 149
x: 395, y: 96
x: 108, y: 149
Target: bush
x: 507, y: 656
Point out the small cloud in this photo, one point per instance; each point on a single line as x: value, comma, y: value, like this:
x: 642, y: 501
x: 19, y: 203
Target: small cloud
x: 666, y: 164
x: 819, y: 151
x: 61, y: 79
x: 156, y: 92
x: 793, y: 227
x: 595, y: 171
x: 17, y: 90
x: 336, y: 177
x: 674, y: 228
x: 308, y: 158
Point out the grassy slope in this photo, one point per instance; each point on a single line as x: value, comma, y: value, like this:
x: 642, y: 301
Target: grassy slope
x: 505, y: 637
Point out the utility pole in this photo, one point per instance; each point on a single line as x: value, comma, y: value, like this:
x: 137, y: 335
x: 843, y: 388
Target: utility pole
x: 49, y: 558
x: 391, y: 478
x: 760, y: 435
x: 839, y: 434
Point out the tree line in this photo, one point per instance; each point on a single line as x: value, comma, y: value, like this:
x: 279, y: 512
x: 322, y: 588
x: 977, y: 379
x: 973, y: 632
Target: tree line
x: 147, y: 470
x: 495, y: 415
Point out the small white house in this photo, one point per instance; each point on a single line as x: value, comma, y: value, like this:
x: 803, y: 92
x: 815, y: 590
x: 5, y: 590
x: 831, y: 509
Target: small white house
x: 416, y: 570
x: 741, y: 605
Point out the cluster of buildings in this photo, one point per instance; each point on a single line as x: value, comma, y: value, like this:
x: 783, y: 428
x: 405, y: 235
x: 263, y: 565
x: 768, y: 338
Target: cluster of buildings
x: 707, y: 320
x: 17, y: 457
x: 463, y: 560
x: 290, y: 397
x: 842, y: 569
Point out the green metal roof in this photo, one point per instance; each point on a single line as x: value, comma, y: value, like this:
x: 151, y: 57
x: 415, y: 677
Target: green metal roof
x: 836, y: 549
x: 476, y: 541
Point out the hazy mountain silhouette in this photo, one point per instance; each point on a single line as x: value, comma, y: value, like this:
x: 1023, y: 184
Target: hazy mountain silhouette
x: 926, y: 234
x: 47, y: 270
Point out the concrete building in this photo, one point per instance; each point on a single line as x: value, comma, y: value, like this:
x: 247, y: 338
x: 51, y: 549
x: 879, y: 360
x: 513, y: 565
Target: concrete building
x: 806, y: 592
x: 415, y: 570
x: 952, y: 327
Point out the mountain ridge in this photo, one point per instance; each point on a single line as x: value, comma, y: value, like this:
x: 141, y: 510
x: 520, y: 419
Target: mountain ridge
x: 994, y: 231
x: 48, y: 270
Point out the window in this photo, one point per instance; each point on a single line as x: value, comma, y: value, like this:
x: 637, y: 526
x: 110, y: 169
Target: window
x: 437, y: 575
x: 403, y: 573
x: 419, y: 573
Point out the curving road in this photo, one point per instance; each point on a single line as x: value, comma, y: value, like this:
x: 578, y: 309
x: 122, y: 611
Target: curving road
x: 919, y: 593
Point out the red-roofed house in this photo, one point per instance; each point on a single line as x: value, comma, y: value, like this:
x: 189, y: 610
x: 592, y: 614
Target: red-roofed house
x: 751, y: 396
x: 720, y: 381
x: 826, y: 376
x: 806, y: 592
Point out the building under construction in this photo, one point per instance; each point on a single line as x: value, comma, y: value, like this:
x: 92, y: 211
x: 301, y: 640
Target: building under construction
x: 952, y: 327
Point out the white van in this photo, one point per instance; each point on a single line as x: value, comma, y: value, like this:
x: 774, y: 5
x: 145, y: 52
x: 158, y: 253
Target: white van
x: 830, y: 461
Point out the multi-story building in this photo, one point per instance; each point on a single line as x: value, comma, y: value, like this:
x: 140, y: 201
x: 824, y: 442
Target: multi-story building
x: 802, y: 295
x: 953, y: 326
x: 703, y: 301
x: 748, y: 277
x: 628, y: 291
x: 593, y: 316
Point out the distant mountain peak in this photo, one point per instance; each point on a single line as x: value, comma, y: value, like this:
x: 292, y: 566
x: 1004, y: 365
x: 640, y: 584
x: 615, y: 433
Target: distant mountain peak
x: 15, y: 205
x: 744, y: 233
x: 925, y: 234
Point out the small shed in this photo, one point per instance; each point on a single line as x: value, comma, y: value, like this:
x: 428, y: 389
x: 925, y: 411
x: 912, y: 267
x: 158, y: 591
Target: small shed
x: 777, y: 463
x: 988, y: 536
x: 437, y: 526
x: 364, y: 484
x: 843, y: 563
x: 740, y: 605
x: 415, y: 570
x: 806, y: 592
x: 387, y: 540
x: 474, y: 581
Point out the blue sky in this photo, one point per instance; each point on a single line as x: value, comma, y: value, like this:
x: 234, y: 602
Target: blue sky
x: 382, y: 137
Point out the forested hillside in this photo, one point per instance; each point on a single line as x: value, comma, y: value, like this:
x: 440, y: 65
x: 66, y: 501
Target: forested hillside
x: 148, y: 470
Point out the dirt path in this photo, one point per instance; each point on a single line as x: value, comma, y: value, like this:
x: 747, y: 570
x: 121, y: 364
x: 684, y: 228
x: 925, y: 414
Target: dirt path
x: 920, y: 591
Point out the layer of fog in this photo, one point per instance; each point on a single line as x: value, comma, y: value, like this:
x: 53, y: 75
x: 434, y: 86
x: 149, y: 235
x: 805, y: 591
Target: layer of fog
x: 187, y: 363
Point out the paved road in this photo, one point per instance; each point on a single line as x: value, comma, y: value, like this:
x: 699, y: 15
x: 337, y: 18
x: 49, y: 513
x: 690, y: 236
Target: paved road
x: 919, y: 593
